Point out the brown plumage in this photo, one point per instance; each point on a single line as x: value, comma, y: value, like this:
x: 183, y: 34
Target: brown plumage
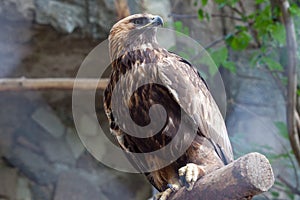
x: 173, y: 83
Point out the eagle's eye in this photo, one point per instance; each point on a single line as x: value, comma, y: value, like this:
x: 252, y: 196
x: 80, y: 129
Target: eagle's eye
x: 140, y: 21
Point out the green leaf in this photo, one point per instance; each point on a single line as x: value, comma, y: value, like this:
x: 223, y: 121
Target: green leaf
x: 272, y: 64
x: 178, y: 26
x: 262, y: 20
x: 184, y: 55
x: 294, y: 10
x: 219, y: 56
x: 186, y: 30
x: 259, y: 1
x: 240, y: 28
x: 277, y: 32
x: 195, y: 3
x: 207, y: 61
x: 240, y: 41
x: 282, y: 128
x: 207, y: 16
x: 200, y: 14
x: 204, y: 2
x: 278, y: 183
x: 230, y: 66
x: 275, y: 194
x: 291, y: 195
x: 223, y: 3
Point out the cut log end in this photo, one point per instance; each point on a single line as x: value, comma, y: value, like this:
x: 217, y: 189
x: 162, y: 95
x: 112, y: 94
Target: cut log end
x: 244, y: 178
x: 257, y: 171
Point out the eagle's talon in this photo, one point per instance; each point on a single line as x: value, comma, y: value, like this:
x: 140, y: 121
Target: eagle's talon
x: 189, y: 174
x: 165, y: 194
x: 190, y: 186
x: 173, y: 187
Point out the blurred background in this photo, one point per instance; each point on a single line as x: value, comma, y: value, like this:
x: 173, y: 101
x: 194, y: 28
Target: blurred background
x: 41, y: 156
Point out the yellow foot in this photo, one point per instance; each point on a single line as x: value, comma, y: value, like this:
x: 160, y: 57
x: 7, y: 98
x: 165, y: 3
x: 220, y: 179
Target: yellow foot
x: 165, y: 194
x: 189, y: 174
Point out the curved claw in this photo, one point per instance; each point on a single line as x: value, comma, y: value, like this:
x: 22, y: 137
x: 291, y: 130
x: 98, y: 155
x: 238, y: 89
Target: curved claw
x: 189, y: 174
x: 165, y: 194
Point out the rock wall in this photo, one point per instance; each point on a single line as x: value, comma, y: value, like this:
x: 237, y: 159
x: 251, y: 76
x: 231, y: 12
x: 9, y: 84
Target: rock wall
x: 255, y: 106
x: 90, y: 17
x: 94, y: 17
x: 17, y: 9
x: 256, y: 103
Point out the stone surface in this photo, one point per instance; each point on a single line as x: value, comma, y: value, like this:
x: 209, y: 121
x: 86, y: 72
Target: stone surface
x: 8, y: 182
x: 57, y: 151
x: 17, y: 9
x: 46, y: 53
x: 88, y: 163
x: 20, y: 140
x: 87, y: 127
x: 74, y: 143
x: 41, y: 192
x: 73, y: 186
x: 6, y: 140
x: 23, y: 189
x: 63, y: 16
x: 92, y: 16
x: 30, y: 136
x: 127, y: 186
x: 32, y: 165
x: 47, y: 119
x: 258, y: 104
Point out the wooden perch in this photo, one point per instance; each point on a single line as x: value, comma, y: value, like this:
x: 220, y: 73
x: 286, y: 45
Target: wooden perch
x: 19, y: 84
x: 242, y: 179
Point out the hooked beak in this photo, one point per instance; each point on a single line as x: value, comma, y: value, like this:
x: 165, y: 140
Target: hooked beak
x: 154, y: 21
x: 157, y: 21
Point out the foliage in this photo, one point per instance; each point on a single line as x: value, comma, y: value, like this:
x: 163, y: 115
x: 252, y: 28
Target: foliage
x: 260, y: 29
x: 179, y: 27
x: 263, y: 31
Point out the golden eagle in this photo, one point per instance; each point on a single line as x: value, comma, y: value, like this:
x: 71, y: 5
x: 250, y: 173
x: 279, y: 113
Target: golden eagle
x: 173, y: 83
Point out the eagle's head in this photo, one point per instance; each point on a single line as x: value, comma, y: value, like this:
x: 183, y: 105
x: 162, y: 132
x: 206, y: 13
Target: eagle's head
x: 133, y: 32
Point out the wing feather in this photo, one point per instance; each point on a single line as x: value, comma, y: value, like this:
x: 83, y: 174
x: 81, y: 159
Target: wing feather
x: 191, y: 93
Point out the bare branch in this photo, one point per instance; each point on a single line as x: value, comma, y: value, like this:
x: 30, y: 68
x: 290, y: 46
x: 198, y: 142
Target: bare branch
x: 236, y: 11
x: 228, y: 16
x: 191, y: 16
x: 241, y: 4
x: 292, y: 77
x: 19, y: 84
x: 293, y: 189
x: 122, y: 8
x: 181, y: 16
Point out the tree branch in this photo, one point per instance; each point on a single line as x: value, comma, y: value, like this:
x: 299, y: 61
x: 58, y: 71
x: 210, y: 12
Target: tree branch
x: 293, y: 189
x: 122, y: 8
x: 188, y: 16
x: 19, y: 84
x: 292, y: 77
x: 244, y: 178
